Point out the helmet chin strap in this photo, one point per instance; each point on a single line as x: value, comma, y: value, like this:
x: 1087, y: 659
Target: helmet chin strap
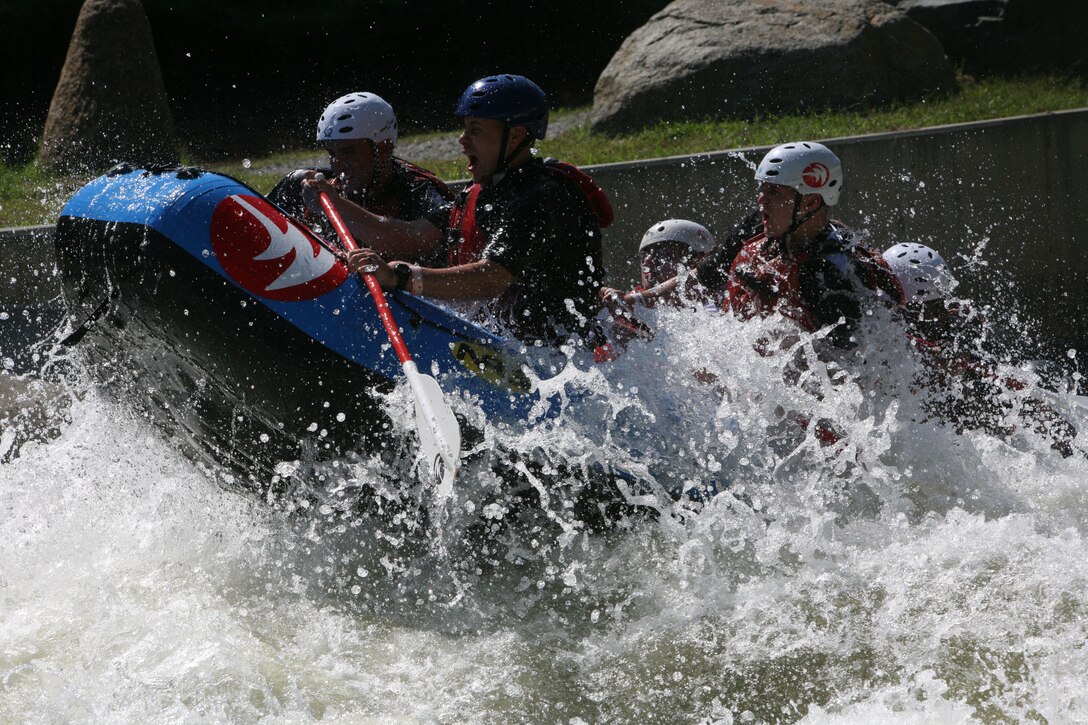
x: 504, y: 159
x: 796, y: 222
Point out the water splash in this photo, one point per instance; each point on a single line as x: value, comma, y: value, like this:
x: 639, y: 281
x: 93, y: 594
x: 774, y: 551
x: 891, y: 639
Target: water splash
x: 903, y: 572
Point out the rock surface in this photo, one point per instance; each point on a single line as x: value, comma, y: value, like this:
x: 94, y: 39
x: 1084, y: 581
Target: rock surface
x: 743, y: 58
x: 110, y: 103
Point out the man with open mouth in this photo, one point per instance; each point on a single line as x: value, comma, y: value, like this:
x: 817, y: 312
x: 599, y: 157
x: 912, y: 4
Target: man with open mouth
x: 524, y: 238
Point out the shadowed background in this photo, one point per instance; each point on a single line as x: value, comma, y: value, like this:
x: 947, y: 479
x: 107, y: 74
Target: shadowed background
x: 251, y: 76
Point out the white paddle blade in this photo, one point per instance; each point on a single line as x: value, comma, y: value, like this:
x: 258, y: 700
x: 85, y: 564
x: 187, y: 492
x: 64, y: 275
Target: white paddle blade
x: 439, y: 432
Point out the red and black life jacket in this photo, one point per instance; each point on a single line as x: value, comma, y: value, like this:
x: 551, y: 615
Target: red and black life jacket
x: 470, y: 247
x: 595, y: 196
x: 761, y: 284
x: 473, y: 241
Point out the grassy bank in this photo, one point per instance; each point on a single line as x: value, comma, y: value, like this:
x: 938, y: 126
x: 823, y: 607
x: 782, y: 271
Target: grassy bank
x: 28, y: 196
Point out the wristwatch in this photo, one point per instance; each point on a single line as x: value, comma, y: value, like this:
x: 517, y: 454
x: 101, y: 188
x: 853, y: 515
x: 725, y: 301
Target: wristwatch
x: 404, y: 275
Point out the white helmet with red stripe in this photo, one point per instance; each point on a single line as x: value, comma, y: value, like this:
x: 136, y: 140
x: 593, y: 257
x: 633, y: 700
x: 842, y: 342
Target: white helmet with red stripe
x: 807, y: 166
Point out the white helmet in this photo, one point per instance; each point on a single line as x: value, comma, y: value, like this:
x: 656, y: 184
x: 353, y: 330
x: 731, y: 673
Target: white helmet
x: 921, y: 271
x: 695, y: 236
x: 807, y: 166
x: 358, y: 115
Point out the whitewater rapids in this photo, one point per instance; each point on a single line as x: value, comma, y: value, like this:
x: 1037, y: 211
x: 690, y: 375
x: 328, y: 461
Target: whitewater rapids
x: 906, y: 574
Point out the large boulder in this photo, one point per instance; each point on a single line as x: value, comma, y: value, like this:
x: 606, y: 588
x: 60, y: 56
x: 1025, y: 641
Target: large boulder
x: 110, y: 103
x: 744, y: 58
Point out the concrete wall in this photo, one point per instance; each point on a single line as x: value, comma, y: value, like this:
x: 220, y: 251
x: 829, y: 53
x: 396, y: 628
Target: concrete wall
x: 31, y: 308
x: 1005, y: 201
x: 27, y: 266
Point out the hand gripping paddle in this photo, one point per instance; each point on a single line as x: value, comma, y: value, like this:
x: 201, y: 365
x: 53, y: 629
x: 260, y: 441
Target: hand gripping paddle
x: 439, y: 433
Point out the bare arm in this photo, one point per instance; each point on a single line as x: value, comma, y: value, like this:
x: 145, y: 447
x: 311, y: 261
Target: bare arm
x: 666, y: 291
x: 476, y: 281
x: 483, y: 280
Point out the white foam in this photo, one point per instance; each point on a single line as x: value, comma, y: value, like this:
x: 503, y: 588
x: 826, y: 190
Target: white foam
x: 906, y: 575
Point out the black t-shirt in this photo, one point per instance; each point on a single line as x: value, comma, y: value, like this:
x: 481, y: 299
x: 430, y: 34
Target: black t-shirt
x: 411, y: 194
x: 540, y: 228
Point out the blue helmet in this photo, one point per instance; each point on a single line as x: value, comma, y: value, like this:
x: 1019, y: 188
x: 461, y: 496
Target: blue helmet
x: 514, y: 100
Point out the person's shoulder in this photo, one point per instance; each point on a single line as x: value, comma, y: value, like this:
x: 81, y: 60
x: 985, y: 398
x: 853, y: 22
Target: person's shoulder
x: 533, y: 185
x: 839, y: 235
x: 857, y: 242
x: 403, y: 166
x: 852, y: 254
x: 535, y: 176
x: 413, y: 174
x: 752, y: 247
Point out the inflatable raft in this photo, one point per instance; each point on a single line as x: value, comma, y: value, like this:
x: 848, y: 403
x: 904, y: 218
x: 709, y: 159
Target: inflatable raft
x: 239, y: 329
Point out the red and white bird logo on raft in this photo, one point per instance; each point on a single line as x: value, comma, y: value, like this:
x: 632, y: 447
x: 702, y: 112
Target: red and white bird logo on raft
x: 268, y: 254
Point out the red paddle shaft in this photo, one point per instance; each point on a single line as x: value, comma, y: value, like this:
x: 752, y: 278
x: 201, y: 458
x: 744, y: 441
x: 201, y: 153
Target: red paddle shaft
x: 371, y: 281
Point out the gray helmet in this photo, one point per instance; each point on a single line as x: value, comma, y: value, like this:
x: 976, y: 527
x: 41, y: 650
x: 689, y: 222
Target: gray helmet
x: 695, y: 236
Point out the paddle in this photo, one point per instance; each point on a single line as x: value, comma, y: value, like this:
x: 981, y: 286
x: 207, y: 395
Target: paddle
x: 439, y: 433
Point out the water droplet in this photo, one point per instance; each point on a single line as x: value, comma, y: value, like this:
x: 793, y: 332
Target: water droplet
x: 246, y: 163
x: 340, y: 417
